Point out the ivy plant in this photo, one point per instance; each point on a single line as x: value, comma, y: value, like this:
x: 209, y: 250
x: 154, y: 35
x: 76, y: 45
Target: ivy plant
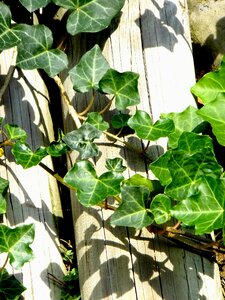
x: 189, y: 183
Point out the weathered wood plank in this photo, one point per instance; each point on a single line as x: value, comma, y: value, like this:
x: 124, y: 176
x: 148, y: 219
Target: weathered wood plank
x: 115, y: 263
x: 33, y: 195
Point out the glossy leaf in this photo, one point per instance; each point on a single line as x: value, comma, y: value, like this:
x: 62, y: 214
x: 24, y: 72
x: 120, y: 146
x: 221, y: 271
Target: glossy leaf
x: 25, y: 157
x: 160, y: 208
x: 90, y: 15
x: 86, y: 75
x: 35, y: 50
x: 10, y: 287
x: 4, y: 184
x: 14, y: 132
x: 115, y: 165
x: 92, y: 189
x: 120, y: 120
x: 139, y: 180
x: 124, y: 86
x: 82, y: 140
x: 16, y: 242
x: 32, y: 5
x: 8, y: 37
x: 160, y: 168
x: 57, y: 149
x: 142, y: 124
x: 204, y: 210
x: 96, y: 120
x: 133, y: 212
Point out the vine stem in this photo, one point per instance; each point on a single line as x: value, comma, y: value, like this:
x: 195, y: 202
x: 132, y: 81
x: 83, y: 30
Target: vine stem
x: 5, y: 263
x: 107, y: 106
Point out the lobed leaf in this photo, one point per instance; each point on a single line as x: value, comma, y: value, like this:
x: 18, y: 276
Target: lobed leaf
x: 16, y: 133
x: 124, y: 86
x: 139, y: 180
x: 120, y: 120
x: 4, y: 184
x: 16, y: 242
x: 96, y: 120
x: 115, y: 165
x: 160, y: 208
x: 92, y: 189
x: 32, y: 5
x: 133, y: 212
x: 10, y: 287
x: 57, y: 149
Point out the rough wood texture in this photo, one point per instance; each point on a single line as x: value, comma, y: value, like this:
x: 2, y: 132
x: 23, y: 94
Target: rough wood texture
x: 33, y: 195
x: 153, y: 40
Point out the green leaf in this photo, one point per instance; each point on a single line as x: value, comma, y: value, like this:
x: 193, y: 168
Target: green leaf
x: 120, y: 120
x: 132, y: 212
x: 186, y: 120
x: 160, y: 208
x: 10, y: 287
x: 124, y: 86
x: 142, y: 124
x: 86, y: 75
x: 25, y: 157
x: 96, y: 120
x: 35, y: 50
x: 139, y: 180
x: 16, y: 242
x: 115, y: 165
x: 205, y: 210
x: 160, y: 168
x: 4, y: 184
x: 57, y: 149
x: 16, y: 133
x: 32, y: 5
x: 8, y: 37
x: 90, y: 15
x: 82, y: 140
x: 92, y: 189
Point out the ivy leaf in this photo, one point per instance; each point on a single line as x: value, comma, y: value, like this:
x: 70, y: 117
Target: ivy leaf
x: 124, y: 86
x: 8, y: 37
x: 205, y: 210
x: 57, y: 149
x: 86, y: 75
x: 16, y: 242
x: 25, y: 157
x: 16, y: 133
x: 115, y: 165
x: 120, y: 120
x: 96, y: 120
x: 142, y: 124
x: 90, y: 15
x: 4, y: 184
x: 92, y: 189
x: 160, y: 168
x: 35, y: 50
x: 160, y: 208
x: 186, y: 120
x: 10, y: 287
x: 32, y: 5
x: 82, y: 140
x: 132, y: 212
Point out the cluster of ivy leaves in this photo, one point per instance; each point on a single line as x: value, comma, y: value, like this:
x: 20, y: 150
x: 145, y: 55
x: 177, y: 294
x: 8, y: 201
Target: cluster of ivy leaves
x: 189, y: 183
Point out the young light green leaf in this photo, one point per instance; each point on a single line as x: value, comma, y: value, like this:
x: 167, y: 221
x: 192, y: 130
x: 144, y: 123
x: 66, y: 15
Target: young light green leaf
x: 82, y: 140
x: 16, y: 133
x: 4, y: 184
x: 92, y: 189
x: 160, y: 208
x: 35, y: 50
x: 115, y: 165
x: 96, y: 120
x: 10, y: 287
x: 204, y: 210
x: 120, y: 120
x: 86, y: 75
x: 133, y: 212
x: 32, y: 5
x: 142, y: 124
x: 25, y: 157
x: 90, y: 15
x: 8, y: 37
x: 124, y: 86
x: 16, y: 242
x: 186, y: 120
x: 139, y: 180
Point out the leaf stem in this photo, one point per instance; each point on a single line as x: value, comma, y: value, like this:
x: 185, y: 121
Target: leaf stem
x: 5, y: 263
x: 88, y: 107
x: 107, y: 106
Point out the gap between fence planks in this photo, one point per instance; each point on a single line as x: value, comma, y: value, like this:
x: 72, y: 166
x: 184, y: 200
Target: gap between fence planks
x: 152, y: 39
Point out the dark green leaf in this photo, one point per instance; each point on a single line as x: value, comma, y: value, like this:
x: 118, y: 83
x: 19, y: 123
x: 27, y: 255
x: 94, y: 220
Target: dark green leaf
x: 115, y: 165
x: 86, y: 75
x: 160, y: 168
x: 120, y: 120
x: 132, y: 212
x: 35, y: 50
x: 90, y: 15
x: 96, y: 120
x: 32, y: 5
x: 25, y: 157
x: 160, y: 208
x: 82, y: 140
x: 142, y: 124
x: 57, y: 149
x: 124, y: 86
x: 92, y: 189
x: 8, y: 37
x: 10, y: 287
x: 16, y: 242
x: 16, y: 133
x: 4, y: 184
